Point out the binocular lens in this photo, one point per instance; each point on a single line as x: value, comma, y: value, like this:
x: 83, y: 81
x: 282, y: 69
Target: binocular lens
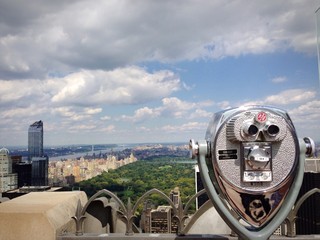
x: 252, y: 130
x: 273, y: 130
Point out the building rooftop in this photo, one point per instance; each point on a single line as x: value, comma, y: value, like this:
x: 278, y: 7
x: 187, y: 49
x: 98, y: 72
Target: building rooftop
x: 71, y: 215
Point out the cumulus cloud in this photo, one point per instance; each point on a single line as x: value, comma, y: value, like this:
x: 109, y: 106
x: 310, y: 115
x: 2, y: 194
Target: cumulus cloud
x: 75, y: 114
x: 143, y: 129
x: 20, y: 112
x: 290, y: 96
x: 92, y: 111
x: 141, y: 115
x: 187, y: 127
x: 83, y: 96
x: 82, y: 127
x: 285, y: 98
x: 105, y: 118
x: 224, y: 104
x: 46, y: 38
x: 131, y: 85
x: 76, y: 63
x: 306, y: 119
x: 172, y: 107
x: 308, y: 112
x: 200, y: 113
x: 13, y: 91
x: 279, y: 79
x: 108, y: 129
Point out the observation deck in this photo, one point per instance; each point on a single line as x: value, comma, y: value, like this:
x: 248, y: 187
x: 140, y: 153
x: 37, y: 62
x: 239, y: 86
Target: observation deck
x: 71, y: 216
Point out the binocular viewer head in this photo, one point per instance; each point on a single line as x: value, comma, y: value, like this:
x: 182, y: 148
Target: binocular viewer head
x: 251, y: 156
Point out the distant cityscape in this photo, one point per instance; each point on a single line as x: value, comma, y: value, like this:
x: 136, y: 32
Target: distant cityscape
x: 64, y: 165
x: 141, y: 150
x: 39, y: 168
x: 67, y: 172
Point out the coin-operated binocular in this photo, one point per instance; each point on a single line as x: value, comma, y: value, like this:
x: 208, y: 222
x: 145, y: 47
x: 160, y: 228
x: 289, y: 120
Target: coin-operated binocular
x: 251, y: 164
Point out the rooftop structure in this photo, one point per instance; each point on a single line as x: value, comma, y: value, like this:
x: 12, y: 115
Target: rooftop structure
x: 70, y: 216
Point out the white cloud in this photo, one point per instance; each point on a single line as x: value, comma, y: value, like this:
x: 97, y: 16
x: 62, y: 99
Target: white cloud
x: 171, y: 108
x: 11, y: 91
x: 307, y: 112
x: 224, y: 105
x: 43, y: 38
x: 92, y: 111
x: 82, y: 127
x: 131, y: 85
x: 143, y: 129
x: 109, y: 129
x: 279, y: 79
x: 200, y: 113
x: 76, y: 63
x: 287, y: 97
x: 105, y: 118
x: 79, y: 101
x: 141, y: 115
x: 75, y: 114
x: 175, y: 107
x: 21, y: 112
x: 187, y: 127
x: 290, y: 96
x: 306, y: 119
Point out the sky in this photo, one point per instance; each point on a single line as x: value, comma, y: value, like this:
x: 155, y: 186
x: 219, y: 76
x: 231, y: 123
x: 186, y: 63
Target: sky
x: 144, y: 71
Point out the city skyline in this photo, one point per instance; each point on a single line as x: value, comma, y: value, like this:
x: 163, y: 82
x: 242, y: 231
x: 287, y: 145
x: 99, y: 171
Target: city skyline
x: 152, y: 71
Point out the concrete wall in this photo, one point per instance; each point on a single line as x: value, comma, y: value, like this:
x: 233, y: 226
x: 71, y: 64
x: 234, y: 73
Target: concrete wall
x: 39, y: 215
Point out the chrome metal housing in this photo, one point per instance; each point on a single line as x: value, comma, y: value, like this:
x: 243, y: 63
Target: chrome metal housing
x: 253, y: 169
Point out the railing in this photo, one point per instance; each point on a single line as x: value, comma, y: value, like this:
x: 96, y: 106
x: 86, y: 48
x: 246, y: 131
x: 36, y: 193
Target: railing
x: 292, y: 216
x: 127, y: 212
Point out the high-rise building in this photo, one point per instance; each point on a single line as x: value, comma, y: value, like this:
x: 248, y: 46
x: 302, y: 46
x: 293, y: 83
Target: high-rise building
x: 175, y: 196
x: 39, y: 176
x: 8, y: 180
x: 160, y: 220
x: 24, y: 171
x: 40, y: 171
x: 35, y: 140
x: 199, y: 186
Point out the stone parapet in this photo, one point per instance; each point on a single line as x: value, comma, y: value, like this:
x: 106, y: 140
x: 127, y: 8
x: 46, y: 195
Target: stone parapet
x: 163, y: 236
x: 39, y: 215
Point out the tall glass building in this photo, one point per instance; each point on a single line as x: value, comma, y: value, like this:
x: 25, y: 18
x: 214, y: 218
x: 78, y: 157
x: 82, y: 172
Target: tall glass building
x: 39, y: 173
x: 35, y: 140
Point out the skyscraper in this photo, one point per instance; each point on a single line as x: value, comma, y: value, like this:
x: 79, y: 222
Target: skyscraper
x: 40, y: 171
x: 35, y: 140
x: 36, y: 156
x: 8, y: 180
